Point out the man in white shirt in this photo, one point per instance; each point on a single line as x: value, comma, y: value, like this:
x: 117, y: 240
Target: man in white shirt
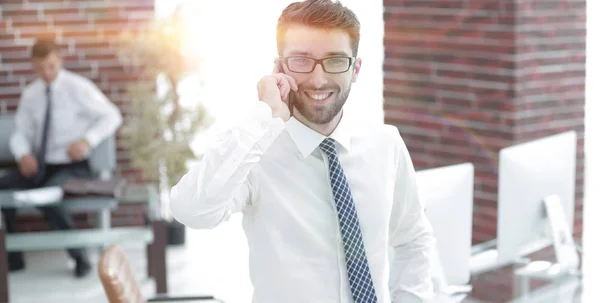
x: 60, y: 118
x: 322, y: 200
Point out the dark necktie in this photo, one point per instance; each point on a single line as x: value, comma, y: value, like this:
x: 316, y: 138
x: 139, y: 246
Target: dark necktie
x: 41, y: 152
x: 359, y: 275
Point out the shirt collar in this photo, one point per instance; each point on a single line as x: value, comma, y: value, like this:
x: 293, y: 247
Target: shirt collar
x: 56, y: 83
x: 307, y: 139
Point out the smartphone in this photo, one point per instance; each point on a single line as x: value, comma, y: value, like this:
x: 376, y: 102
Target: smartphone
x: 289, y: 100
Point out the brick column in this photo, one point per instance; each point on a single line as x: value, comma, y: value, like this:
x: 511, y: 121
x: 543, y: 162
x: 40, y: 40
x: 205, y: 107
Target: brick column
x: 465, y: 78
x: 86, y: 30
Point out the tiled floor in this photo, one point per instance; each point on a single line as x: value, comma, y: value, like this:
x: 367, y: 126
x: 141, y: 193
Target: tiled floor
x: 212, y: 262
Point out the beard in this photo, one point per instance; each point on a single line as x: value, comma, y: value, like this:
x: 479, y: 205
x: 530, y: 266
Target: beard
x: 319, y: 114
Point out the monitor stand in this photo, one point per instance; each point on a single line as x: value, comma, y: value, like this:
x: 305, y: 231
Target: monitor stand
x: 565, y: 249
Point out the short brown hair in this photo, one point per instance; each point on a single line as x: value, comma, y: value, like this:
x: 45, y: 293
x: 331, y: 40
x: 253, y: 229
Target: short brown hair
x: 42, y: 48
x: 322, y: 14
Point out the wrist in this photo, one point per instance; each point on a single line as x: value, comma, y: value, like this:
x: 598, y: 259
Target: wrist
x: 27, y: 155
x: 280, y: 111
x: 85, y: 142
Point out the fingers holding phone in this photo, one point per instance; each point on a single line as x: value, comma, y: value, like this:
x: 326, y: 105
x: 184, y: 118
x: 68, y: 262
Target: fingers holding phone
x: 274, y: 90
x: 286, y: 83
x: 277, y: 69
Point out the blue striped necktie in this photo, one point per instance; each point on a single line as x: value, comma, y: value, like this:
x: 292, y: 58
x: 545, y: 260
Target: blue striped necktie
x: 359, y: 275
x: 41, y: 152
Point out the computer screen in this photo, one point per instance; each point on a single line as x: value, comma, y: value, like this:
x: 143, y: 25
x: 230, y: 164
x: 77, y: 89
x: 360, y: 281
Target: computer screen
x: 447, y: 193
x: 528, y: 173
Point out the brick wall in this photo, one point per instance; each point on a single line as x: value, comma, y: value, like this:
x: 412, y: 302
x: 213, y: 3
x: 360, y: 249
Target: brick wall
x: 465, y: 78
x: 87, y: 32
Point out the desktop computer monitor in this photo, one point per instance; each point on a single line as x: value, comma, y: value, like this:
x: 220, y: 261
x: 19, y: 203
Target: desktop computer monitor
x: 447, y: 193
x: 529, y: 173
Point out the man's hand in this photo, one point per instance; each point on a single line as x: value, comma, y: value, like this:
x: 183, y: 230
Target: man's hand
x: 28, y: 165
x: 78, y: 150
x: 274, y: 90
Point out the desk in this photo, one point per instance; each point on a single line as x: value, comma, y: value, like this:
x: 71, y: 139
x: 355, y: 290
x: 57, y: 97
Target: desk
x: 566, y: 289
x: 153, y: 233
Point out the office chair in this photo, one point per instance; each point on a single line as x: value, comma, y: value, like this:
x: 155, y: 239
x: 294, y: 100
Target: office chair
x: 121, y: 286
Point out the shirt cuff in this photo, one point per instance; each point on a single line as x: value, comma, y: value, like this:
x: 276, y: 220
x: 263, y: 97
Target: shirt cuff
x: 18, y: 154
x: 92, y: 139
x: 271, y: 127
x: 19, y: 147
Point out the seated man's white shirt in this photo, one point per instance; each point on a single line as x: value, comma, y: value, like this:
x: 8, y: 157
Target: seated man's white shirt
x: 79, y: 111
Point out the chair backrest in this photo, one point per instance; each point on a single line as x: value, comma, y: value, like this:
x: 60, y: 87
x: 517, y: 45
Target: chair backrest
x: 103, y: 158
x: 7, y: 126
x: 118, y: 278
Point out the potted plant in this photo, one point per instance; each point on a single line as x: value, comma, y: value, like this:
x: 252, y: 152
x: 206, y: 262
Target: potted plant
x: 159, y: 130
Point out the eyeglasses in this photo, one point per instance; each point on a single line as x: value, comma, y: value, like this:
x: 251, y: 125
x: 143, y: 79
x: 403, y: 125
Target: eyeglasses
x: 305, y: 65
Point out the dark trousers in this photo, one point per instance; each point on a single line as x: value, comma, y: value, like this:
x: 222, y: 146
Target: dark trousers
x: 56, y: 215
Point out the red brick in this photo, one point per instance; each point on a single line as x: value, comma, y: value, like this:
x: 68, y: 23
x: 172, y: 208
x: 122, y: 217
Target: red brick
x: 76, y: 24
x: 92, y: 44
x: 427, y: 4
x: 4, y: 24
x: 85, y: 33
x: 103, y: 12
x: 111, y: 32
x: 13, y: 48
x: 8, y: 95
x: 15, y: 13
x: 147, y: 8
x: 39, y: 34
x: 16, y: 23
x: 9, y: 84
x: 7, y: 2
x: 55, y: 12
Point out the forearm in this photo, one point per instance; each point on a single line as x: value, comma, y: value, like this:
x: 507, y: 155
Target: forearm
x: 411, y: 236
x: 106, y: 125
x: 22, y: 139
x: 219, y: 184
x: 410, y: 270
x: 19, y: 145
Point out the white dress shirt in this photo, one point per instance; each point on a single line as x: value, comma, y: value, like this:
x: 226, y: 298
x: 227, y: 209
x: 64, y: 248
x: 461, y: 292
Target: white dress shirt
x: 79, y: 111
x: 275, y: 173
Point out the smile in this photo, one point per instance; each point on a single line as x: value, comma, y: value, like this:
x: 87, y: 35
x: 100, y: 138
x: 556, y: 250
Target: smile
x: 320, y: 97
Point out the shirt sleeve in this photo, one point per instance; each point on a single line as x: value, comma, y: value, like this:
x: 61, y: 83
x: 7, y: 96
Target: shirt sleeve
x: 23, y: 137
x: 411, y: 236
x: 106, y: 115
x: 219, y: 185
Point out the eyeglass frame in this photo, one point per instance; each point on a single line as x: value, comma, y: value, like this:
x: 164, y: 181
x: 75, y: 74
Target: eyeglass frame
x: 351, y: 61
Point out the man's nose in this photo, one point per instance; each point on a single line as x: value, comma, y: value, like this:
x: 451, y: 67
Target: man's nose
x: 318, y: 77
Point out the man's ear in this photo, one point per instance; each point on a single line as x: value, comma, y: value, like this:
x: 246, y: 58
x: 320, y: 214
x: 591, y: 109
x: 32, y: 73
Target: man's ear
x: 356, y: 69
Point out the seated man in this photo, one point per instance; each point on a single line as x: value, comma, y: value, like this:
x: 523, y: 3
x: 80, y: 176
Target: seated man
x: 60, y: 118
